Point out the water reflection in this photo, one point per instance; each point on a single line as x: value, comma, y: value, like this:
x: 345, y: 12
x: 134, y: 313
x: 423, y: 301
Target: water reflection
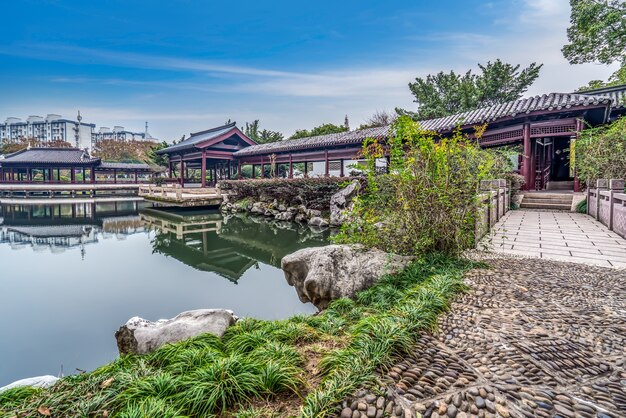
x: 72, y: 274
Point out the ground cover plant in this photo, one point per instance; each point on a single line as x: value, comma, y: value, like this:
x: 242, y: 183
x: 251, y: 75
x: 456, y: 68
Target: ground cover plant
x: 303, y: 366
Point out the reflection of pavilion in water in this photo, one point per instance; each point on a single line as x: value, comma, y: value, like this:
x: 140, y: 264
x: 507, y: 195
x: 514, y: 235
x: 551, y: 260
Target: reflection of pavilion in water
x: 62, y: 226
x: 226, y: 245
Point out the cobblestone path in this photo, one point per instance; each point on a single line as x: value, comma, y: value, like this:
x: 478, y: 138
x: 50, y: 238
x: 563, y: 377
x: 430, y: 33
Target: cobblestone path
x: 533, y: 338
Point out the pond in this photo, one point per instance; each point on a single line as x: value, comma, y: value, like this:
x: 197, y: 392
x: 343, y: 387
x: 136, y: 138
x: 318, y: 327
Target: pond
x: 70, y: 275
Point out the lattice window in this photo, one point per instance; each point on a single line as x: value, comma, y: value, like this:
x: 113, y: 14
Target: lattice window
x: 334, y: 165
x: 550, y: 130
x: 503, y: 136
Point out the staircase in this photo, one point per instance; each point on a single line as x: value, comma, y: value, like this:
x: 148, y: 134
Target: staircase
x: 560, y: 185
x: 550, y: 201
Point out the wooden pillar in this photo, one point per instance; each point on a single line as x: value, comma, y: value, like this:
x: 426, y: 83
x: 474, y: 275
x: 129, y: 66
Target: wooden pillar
x: 169, y: 166
x: 579, y: 127
x: 83, y: 175
x: 30, y: 175
x: 238, y: 169
x: 326, y: 165
x: 526, y: 163
x: 136, y: 177
x: 290, y: 166
x: 306, y: 169
x: 533, y: 164
x: 72, y: 175
x: 115, y: 176
x: 341, y: 168
x: 182, y: 172
x: 93, y: 175
x: 203, y: 169
x: 262, y: 168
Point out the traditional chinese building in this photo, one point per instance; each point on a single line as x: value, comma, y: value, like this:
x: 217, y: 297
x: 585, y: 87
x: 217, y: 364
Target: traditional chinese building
x: 544, y: 128
x: 67, y: 165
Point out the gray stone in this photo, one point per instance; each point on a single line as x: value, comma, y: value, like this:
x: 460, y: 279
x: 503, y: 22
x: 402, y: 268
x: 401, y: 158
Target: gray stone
x: 301, y: 217
x: 140, y: 336
x: 36, y: 382
x: 284, y: 216
x: 346, y: 413
x: 323, y: 274
x: 341, y: 203
x: 317, y: 221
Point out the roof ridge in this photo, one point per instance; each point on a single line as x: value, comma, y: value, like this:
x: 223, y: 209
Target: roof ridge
x: 217, y: 128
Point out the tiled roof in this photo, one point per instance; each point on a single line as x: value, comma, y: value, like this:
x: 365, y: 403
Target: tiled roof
x: 341, y: 138
x: 124, y: 166
x: 617, y: 94
x: 51, y: 156
x: 553, y: 101
x: 197, y: 137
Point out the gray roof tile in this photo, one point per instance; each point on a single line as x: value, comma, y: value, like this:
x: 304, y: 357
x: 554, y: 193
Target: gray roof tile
x: 197, y: 137
x: 51, y: 156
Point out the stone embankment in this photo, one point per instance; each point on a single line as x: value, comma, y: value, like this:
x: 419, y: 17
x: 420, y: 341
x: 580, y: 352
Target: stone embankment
x: 533, y: 338
x: 333, y: 213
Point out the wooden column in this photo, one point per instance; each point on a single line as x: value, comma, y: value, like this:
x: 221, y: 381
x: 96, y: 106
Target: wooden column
x: 290, y: 166
x: 72, y: 176
x: 30, y: 175
x: 262, y: 168
x: 326, y: 165
x: 306, y: 169
x: 238, y: 169
x: 182, y: 172
x: 203, y: 169
x: 579, y: 127
x: 526, y: 163
x: 533, y: 164
x: 115, y: 176
x: 340, y: 168
x: 136, y: 177
x: 83, y: 175
x: 169, y: 166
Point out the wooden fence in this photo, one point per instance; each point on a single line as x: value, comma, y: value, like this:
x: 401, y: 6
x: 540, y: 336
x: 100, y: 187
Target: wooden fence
x: 494, y: 202
x: 607, y: 203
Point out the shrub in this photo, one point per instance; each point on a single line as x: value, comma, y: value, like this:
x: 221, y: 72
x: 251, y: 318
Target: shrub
x: 581, y: 207
x: 601, y: 152
x: 427, y: 202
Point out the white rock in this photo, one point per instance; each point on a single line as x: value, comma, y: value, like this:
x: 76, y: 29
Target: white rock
x: 341, y: 203
x: 317, y: 221
x: 36, y: 382
x: 141, y: 336
x: 323, y: 274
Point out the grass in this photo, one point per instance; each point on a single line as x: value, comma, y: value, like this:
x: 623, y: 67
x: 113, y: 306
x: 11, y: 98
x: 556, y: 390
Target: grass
x: 308, y: 363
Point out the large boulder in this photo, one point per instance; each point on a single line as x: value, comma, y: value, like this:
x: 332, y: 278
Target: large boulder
x: 140, y: 336
x: 341, y: 203
x: 35, y: 382
x: 323, y: 274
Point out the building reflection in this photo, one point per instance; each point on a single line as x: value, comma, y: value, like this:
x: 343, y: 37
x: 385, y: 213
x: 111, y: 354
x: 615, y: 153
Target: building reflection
x: 227, y: 245
x: 57, y: 227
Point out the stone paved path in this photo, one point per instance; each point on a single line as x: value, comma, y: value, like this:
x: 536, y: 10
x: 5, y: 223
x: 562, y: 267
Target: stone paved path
x: 563, y: 236
x: 533, y: 338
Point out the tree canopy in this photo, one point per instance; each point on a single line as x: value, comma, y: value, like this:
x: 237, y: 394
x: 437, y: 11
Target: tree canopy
x: 379, y: 118
x: 444, y: 94
x: 597, y: 33
x: 264, y: 136
x: 327, y: 128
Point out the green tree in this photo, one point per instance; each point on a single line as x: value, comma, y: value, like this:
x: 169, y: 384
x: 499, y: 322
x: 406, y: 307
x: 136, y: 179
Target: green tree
x: 597, y: 33
x: 157, y: 159
x: 325, y: 129
x: 444, y: 94
x: 264, y: 136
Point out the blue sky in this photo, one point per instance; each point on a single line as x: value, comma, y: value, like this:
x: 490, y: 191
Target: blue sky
x: 187, y: 65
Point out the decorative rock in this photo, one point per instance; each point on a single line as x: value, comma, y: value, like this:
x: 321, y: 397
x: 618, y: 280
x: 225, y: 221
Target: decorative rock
x: 140, y: 336
x: 317, y: 221
x: 346, y: 413
x: 36, y: 382
x: 284, y: 216
x: 323, y: 274
x: 341, y: 202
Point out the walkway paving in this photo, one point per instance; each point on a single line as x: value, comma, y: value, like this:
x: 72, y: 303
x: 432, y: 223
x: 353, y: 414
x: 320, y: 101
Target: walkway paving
x: 532, y: 338
x: 562, y: 236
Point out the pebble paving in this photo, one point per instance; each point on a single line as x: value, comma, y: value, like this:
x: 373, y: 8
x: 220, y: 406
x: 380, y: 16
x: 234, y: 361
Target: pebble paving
x: 532, y: 338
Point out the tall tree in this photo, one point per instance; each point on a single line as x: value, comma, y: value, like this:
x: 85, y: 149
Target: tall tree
x: 264, y: 136
x: 325, y: 129
x: 597, y: 33
x: 444, y: 94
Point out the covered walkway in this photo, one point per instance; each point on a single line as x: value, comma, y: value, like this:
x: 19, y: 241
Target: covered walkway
x: 562, y: 236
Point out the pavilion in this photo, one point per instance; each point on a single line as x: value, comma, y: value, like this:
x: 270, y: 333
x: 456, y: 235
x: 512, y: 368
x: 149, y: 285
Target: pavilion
x: 544, y: 128
x: 67, y: 165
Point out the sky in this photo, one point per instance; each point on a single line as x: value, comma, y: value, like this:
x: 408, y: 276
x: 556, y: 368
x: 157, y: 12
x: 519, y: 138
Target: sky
x: 186, y: 65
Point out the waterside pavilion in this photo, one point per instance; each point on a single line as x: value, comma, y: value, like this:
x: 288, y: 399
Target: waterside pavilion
x: 68, y: 166
x: 543, y: 128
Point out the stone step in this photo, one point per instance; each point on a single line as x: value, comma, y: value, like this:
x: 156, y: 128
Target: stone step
x: 563, y: 200
x: 545, y: 205
x: 560, y: 185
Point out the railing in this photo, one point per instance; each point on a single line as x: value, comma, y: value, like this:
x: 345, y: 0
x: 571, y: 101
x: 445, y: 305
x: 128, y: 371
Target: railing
x: 542, y: 179
x: 607, y: 203
x: 493, y: 204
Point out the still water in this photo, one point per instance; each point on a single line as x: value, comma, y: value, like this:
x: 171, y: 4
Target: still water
x: 70, y: 275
